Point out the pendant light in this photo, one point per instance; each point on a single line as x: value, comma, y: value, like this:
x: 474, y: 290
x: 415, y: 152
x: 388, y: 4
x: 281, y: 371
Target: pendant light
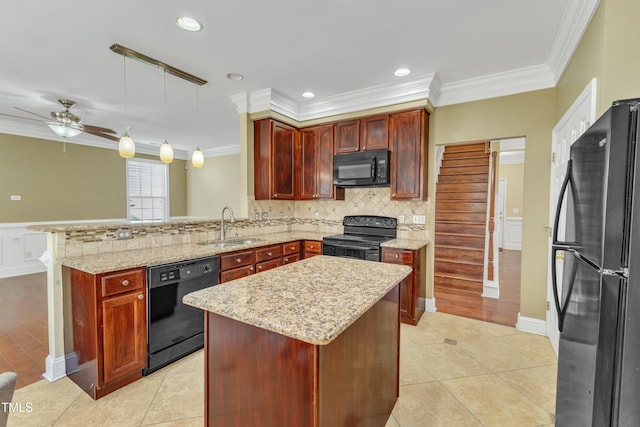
x: 166, y: 151
x: 126, y: 146
x: 197, y: 159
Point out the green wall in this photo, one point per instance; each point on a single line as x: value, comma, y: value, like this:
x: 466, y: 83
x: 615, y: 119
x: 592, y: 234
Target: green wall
x: 82, y: 184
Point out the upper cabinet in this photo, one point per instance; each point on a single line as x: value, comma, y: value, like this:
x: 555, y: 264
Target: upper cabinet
x: 374, y: 133
x: 409, y: 132
x: 368, y: 133
x: 315, y: 168
x: 292, y: 164
x: 275, y: 152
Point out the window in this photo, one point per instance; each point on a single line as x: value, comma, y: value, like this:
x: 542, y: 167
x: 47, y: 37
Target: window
x: 147, y: 190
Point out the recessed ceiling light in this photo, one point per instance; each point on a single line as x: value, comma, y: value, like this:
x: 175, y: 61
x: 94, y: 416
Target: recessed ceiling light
x: 188, y: 24
x: 308, y: 94
x: 235, y: 76
x: 401, y: 72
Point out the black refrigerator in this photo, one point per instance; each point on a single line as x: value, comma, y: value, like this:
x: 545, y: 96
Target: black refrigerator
x: 596, y: 271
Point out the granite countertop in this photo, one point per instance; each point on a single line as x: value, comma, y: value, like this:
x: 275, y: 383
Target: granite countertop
x: 145, y: 257
x: 412, y: 244
x: 113, y: 261
x: 313, y: 300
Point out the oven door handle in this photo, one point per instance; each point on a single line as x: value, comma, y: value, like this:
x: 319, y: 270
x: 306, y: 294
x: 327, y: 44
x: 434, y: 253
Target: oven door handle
x: 338, y: 245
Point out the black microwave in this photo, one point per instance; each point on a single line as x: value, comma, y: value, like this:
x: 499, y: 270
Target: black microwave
x: 361, y: 169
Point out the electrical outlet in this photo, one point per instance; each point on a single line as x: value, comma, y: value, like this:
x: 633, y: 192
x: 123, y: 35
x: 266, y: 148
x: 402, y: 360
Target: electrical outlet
x: 316, y: 215
x: 419, y: 219
x: 400, y: 219
x: 123, y: 233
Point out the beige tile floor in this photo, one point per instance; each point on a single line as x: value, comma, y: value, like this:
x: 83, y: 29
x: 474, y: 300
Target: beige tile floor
x: 453, y: 372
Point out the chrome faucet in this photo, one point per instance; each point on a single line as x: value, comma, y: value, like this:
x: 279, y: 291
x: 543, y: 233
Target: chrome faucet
x: 223, y: 226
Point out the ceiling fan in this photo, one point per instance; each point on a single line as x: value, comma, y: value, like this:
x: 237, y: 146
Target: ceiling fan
x: 67, y: 124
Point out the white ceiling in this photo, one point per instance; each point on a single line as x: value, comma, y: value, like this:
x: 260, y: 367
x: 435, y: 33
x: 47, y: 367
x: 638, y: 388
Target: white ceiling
x: 459, y: 50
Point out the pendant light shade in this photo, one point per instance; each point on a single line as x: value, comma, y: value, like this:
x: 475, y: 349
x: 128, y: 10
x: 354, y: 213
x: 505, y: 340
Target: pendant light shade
x: 126, y: 147
x: 166, y: 152
x: 197, y: 160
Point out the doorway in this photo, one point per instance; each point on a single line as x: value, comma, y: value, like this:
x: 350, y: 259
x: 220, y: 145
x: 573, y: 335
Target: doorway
x: 504, y: 307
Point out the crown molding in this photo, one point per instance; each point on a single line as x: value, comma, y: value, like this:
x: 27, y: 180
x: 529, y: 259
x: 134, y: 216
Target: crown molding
x: 84, y: 139
x: 270, y: 99
x: 222, y: 151
x: 574, y: 23
x: 494, y: 85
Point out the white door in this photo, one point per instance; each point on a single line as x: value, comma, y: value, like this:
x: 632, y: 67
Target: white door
x: 573, y: 124
x: 501, y: 208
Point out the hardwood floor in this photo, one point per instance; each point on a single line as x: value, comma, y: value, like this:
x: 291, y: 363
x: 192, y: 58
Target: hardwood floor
x: 503, y: 310
x: 23, y: 326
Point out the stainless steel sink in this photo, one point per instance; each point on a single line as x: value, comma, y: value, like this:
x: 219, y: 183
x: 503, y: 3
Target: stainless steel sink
x: 227, y: 243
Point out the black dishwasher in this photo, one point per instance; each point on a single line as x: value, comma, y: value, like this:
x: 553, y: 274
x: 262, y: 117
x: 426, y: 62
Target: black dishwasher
x: 174, y: 328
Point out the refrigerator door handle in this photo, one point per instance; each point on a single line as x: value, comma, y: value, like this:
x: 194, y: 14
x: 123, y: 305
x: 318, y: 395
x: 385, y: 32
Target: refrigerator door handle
x: 558, y: 246
x: 563, y: 191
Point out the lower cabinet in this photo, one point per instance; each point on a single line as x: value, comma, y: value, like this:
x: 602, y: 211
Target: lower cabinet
x: 409, y: 312
x: 312, y: 248
x: 105, y: 328
x: 234, y: 265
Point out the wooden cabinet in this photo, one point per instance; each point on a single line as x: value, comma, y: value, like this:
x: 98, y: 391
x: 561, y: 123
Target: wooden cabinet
x: 374, y: 133
x: 408, y: 142
x: 268, y: 257
x: 347, y: 136
x: 235, y: 265
x: 312, y: 248
x: 416, y: 259
x: 275, y: 152
x: 105, y: 328
x: 290, y: 252
x: 315, y: 169
x: 367, y: 133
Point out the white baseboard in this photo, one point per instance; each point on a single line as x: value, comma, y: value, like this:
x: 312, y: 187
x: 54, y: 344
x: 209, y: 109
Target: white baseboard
x: 428, y: 304
x: 55, y: 368
x: 490, y: 289
x: 531, y: 325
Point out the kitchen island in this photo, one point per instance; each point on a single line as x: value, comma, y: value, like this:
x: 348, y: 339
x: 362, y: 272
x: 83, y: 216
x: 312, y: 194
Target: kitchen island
x: 314, y: 343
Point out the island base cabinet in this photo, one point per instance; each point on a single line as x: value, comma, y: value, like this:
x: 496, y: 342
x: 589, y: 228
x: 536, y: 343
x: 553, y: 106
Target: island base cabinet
x: 260, y: 378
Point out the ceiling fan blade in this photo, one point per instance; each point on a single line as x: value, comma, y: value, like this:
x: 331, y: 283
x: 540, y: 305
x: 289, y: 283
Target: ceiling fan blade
x: 87, y: 128
x: 35, y: 114
x: 101, y: 134
x: 20, y: 117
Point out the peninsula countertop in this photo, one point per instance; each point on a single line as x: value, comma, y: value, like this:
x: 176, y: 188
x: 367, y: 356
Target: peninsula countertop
x: 313, y: 300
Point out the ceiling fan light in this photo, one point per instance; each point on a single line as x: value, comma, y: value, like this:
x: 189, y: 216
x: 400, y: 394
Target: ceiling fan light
x: 166, y: 152
x: 197, y: 160
x: 64, y: 131
x: 126, y: 147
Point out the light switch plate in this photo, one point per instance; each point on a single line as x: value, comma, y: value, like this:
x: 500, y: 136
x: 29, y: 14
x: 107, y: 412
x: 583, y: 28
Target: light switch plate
x: 14, y: 197
x: 419, y: 219
x: 123, y: 233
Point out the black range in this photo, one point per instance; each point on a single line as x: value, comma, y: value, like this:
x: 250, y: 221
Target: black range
x: 362, y: 237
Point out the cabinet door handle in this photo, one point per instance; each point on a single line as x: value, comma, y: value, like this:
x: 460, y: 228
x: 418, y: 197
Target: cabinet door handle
x: 269, y: 253
x: 311, y: 246
x: 259, y: 267
x: 393, y: 195
x: 238, y: 260
x: 397, y: 256
x: 140, y: 297
x: 250, y: 268
x: 125, y: 282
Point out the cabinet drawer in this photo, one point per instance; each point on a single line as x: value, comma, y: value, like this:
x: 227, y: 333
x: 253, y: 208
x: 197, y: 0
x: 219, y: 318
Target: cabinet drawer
x: 268, y: 265
x: 290, y: 258
x: 236, y: 259
x: 312, y: 246
x: 397, y: 256
x: 124, y: 281
x: 236, y: 273
x: 291, y: 248
x: 269, y: 252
